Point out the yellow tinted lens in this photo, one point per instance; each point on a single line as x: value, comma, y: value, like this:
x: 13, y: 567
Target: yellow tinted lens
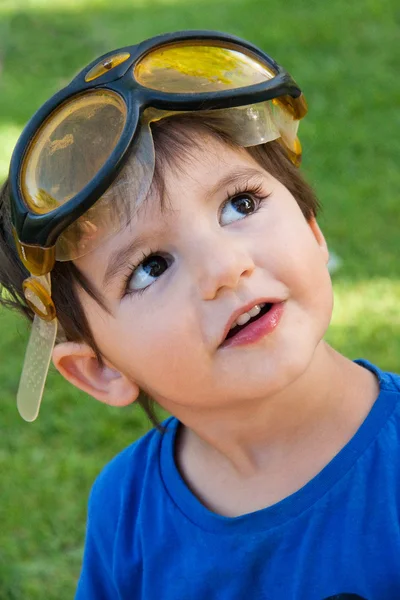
x: 106, y: 65
x: 200, y: 67
x: 70, y: 149
x: 115, y: 208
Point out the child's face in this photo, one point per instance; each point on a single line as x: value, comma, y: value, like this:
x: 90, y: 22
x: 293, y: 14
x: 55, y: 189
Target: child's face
x: 211, y: 259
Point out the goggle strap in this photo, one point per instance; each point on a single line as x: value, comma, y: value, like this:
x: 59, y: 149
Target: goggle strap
x: 36, y: 364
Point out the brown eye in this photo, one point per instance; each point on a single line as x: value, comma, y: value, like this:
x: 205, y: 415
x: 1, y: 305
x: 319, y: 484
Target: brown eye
x: 155, y: 266
x: 237, y: 208
x: 243, y: 204
x: 150, y: 269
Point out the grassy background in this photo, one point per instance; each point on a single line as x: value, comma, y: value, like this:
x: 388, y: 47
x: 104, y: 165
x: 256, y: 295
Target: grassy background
x: 345, y: 55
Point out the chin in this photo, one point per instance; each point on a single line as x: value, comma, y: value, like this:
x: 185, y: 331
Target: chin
x: 268, y: 379
x: 285, y: 370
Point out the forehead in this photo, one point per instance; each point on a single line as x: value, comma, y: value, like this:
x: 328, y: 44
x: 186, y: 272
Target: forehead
x: 193, y: 163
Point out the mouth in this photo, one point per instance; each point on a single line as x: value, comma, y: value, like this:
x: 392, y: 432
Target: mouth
x: 265, y: 308
x: 252, y: 323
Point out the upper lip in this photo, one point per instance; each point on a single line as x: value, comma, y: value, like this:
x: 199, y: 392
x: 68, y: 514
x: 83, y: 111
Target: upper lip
x: 244, y: 309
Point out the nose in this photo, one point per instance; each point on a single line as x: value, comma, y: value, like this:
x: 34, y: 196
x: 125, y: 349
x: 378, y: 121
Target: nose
x: 222, y: 265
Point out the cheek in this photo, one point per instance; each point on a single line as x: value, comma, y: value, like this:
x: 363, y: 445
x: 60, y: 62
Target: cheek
x: 308, y: 273
x: 150, y: 348
x: 310, y: 283
x: 291, y: 254
x: 288, y: 241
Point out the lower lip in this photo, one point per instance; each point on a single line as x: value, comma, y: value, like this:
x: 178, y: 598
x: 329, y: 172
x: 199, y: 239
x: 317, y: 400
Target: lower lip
x: 258, y: 329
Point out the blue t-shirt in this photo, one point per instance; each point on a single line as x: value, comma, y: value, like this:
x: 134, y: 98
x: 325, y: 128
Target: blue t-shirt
x: 149, y: 538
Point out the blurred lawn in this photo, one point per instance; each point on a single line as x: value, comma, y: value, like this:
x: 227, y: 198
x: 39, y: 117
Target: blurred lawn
x: 345, y: 55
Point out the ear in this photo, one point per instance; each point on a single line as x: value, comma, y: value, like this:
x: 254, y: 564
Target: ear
x: 78, y: 364
x: 319, y: 236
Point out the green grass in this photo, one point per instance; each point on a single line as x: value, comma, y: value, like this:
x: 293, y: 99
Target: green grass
x: 345, y: 55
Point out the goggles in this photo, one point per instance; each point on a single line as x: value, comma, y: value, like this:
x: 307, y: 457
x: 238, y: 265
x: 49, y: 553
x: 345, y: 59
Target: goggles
x: 76, y: 144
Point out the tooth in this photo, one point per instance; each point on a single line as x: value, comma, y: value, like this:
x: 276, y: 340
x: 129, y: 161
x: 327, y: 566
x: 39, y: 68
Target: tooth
x: 242, y: 319
x: 254, y: 311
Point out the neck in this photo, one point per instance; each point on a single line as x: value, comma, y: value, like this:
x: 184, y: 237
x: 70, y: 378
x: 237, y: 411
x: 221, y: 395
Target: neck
x: 314, y: 407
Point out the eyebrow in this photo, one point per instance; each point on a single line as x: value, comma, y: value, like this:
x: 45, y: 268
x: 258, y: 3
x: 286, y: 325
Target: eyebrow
x: 235, y: 177
x: 121, y: 256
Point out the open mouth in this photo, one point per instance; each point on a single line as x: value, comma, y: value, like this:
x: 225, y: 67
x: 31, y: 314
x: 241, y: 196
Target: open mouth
x: 232, y: 332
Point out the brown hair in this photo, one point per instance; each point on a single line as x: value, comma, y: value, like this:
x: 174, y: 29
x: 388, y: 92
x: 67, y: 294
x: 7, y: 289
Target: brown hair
x: 173, y: 138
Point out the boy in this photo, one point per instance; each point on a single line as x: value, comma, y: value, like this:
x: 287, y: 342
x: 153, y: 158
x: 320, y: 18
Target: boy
x: 276, y: 477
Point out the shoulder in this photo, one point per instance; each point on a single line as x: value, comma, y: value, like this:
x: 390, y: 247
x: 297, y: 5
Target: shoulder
x: 122, y: 479
x: 388, y: 382
x: 114, y: 511
x: 384, y: 418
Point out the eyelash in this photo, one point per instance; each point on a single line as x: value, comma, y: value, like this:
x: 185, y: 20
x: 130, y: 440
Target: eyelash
x: 131, y: 268
x: 257, y: 193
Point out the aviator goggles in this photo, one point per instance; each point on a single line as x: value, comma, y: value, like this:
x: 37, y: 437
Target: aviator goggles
x: 77, y: 143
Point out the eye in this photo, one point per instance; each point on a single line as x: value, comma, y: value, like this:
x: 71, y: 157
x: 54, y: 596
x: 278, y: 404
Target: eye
x: 237, y: 208
x: 150, y: 269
